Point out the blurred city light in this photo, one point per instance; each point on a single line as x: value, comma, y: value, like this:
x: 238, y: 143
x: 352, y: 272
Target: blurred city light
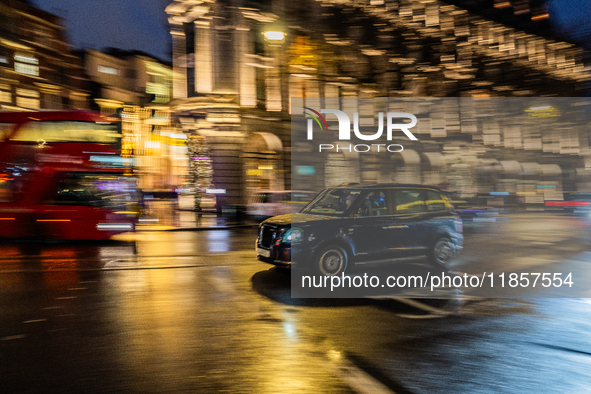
x: 274, y: 35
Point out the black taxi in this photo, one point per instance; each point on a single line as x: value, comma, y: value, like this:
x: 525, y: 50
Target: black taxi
x: 353, y: 224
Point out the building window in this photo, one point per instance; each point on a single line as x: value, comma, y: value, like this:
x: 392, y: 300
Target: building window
x: 44, y: 35
x: 27, y: 98
x: 26, y: 65
x: 53, y: 101
x: 261, y: 86
x: 5, y: 94
x: 108, y: 70
x: 157, y: 87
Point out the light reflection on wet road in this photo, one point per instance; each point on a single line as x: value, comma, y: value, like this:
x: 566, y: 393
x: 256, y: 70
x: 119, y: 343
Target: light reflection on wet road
x: 195, y: 312
x: 153, y: 330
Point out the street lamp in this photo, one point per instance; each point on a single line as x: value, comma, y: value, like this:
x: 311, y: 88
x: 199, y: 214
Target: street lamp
x: 274, y: 37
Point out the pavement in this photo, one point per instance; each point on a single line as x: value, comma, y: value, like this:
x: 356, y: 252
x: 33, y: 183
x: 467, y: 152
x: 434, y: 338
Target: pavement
x: 165, y: 215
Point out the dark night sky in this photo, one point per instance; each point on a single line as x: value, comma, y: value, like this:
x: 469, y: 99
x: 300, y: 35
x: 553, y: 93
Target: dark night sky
x: 141, y: 24
x: 125, y: 24
x: 572, y: 18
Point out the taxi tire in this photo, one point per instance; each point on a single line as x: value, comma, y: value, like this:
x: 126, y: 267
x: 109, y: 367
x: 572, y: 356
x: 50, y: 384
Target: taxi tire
x: 442, y: 252
x: 331, y: 260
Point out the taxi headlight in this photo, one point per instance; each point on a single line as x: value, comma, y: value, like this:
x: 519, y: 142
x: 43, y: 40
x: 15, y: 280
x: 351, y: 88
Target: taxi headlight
x: 293, y: 235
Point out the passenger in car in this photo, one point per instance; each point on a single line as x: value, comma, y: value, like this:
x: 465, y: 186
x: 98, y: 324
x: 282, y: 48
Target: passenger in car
x: 348, y: 201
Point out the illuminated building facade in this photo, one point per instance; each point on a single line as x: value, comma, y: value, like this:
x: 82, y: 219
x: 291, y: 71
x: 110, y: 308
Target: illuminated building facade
x: 138, y: 87
x: 121, y: 78
x: 233, y: 83
x: 158, y: 148
x: 38, y: 68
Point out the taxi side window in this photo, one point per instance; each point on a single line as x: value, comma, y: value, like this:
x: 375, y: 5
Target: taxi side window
x: 434, y: 201
x: 375, y: 204
x: 409, y: 201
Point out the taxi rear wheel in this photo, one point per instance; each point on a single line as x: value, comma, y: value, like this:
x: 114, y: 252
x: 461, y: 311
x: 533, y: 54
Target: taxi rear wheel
x: 442, y: 252
x: 331, y: 261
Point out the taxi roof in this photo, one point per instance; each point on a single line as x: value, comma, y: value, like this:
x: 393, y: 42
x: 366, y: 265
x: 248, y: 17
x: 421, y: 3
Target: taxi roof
x: 383, y: 185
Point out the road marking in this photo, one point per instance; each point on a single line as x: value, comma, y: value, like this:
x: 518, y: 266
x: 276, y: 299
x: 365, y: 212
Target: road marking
x: 53, y: 307
x: 355, y: 377
x: 77, y: 288
x: 424, y: 307
x: 12, y: 337
x: 66, y: 298
x: 436, y: 312
x: 146, y: 263
x: 407, y: 316
x: 34, y: 321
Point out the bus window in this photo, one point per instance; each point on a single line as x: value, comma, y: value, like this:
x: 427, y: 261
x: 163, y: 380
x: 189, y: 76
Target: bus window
x: 74, y: 191
x: 68, y: 131
x: 5, y: 129
x: 6, y: 188
x: 114, y: 192
x: 11, y: 183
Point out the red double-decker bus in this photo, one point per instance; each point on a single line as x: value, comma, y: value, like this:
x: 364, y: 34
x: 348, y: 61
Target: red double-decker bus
x: 62, y: 176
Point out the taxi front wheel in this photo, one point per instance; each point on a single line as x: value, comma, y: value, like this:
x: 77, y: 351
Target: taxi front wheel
x: 331, y: 260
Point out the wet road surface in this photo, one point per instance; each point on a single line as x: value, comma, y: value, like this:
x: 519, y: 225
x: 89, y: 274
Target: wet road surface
x: 195, y: 312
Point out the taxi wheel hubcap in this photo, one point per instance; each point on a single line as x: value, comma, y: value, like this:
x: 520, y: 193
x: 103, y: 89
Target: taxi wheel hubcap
x: 332, y: 261
x: 443, y: 251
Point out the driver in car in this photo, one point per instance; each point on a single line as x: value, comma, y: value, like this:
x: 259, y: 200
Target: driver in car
x: 348, y: 201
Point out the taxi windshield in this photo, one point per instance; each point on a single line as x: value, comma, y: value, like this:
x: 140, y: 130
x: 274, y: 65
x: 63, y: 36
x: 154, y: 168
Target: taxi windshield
x: 333, y: 202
